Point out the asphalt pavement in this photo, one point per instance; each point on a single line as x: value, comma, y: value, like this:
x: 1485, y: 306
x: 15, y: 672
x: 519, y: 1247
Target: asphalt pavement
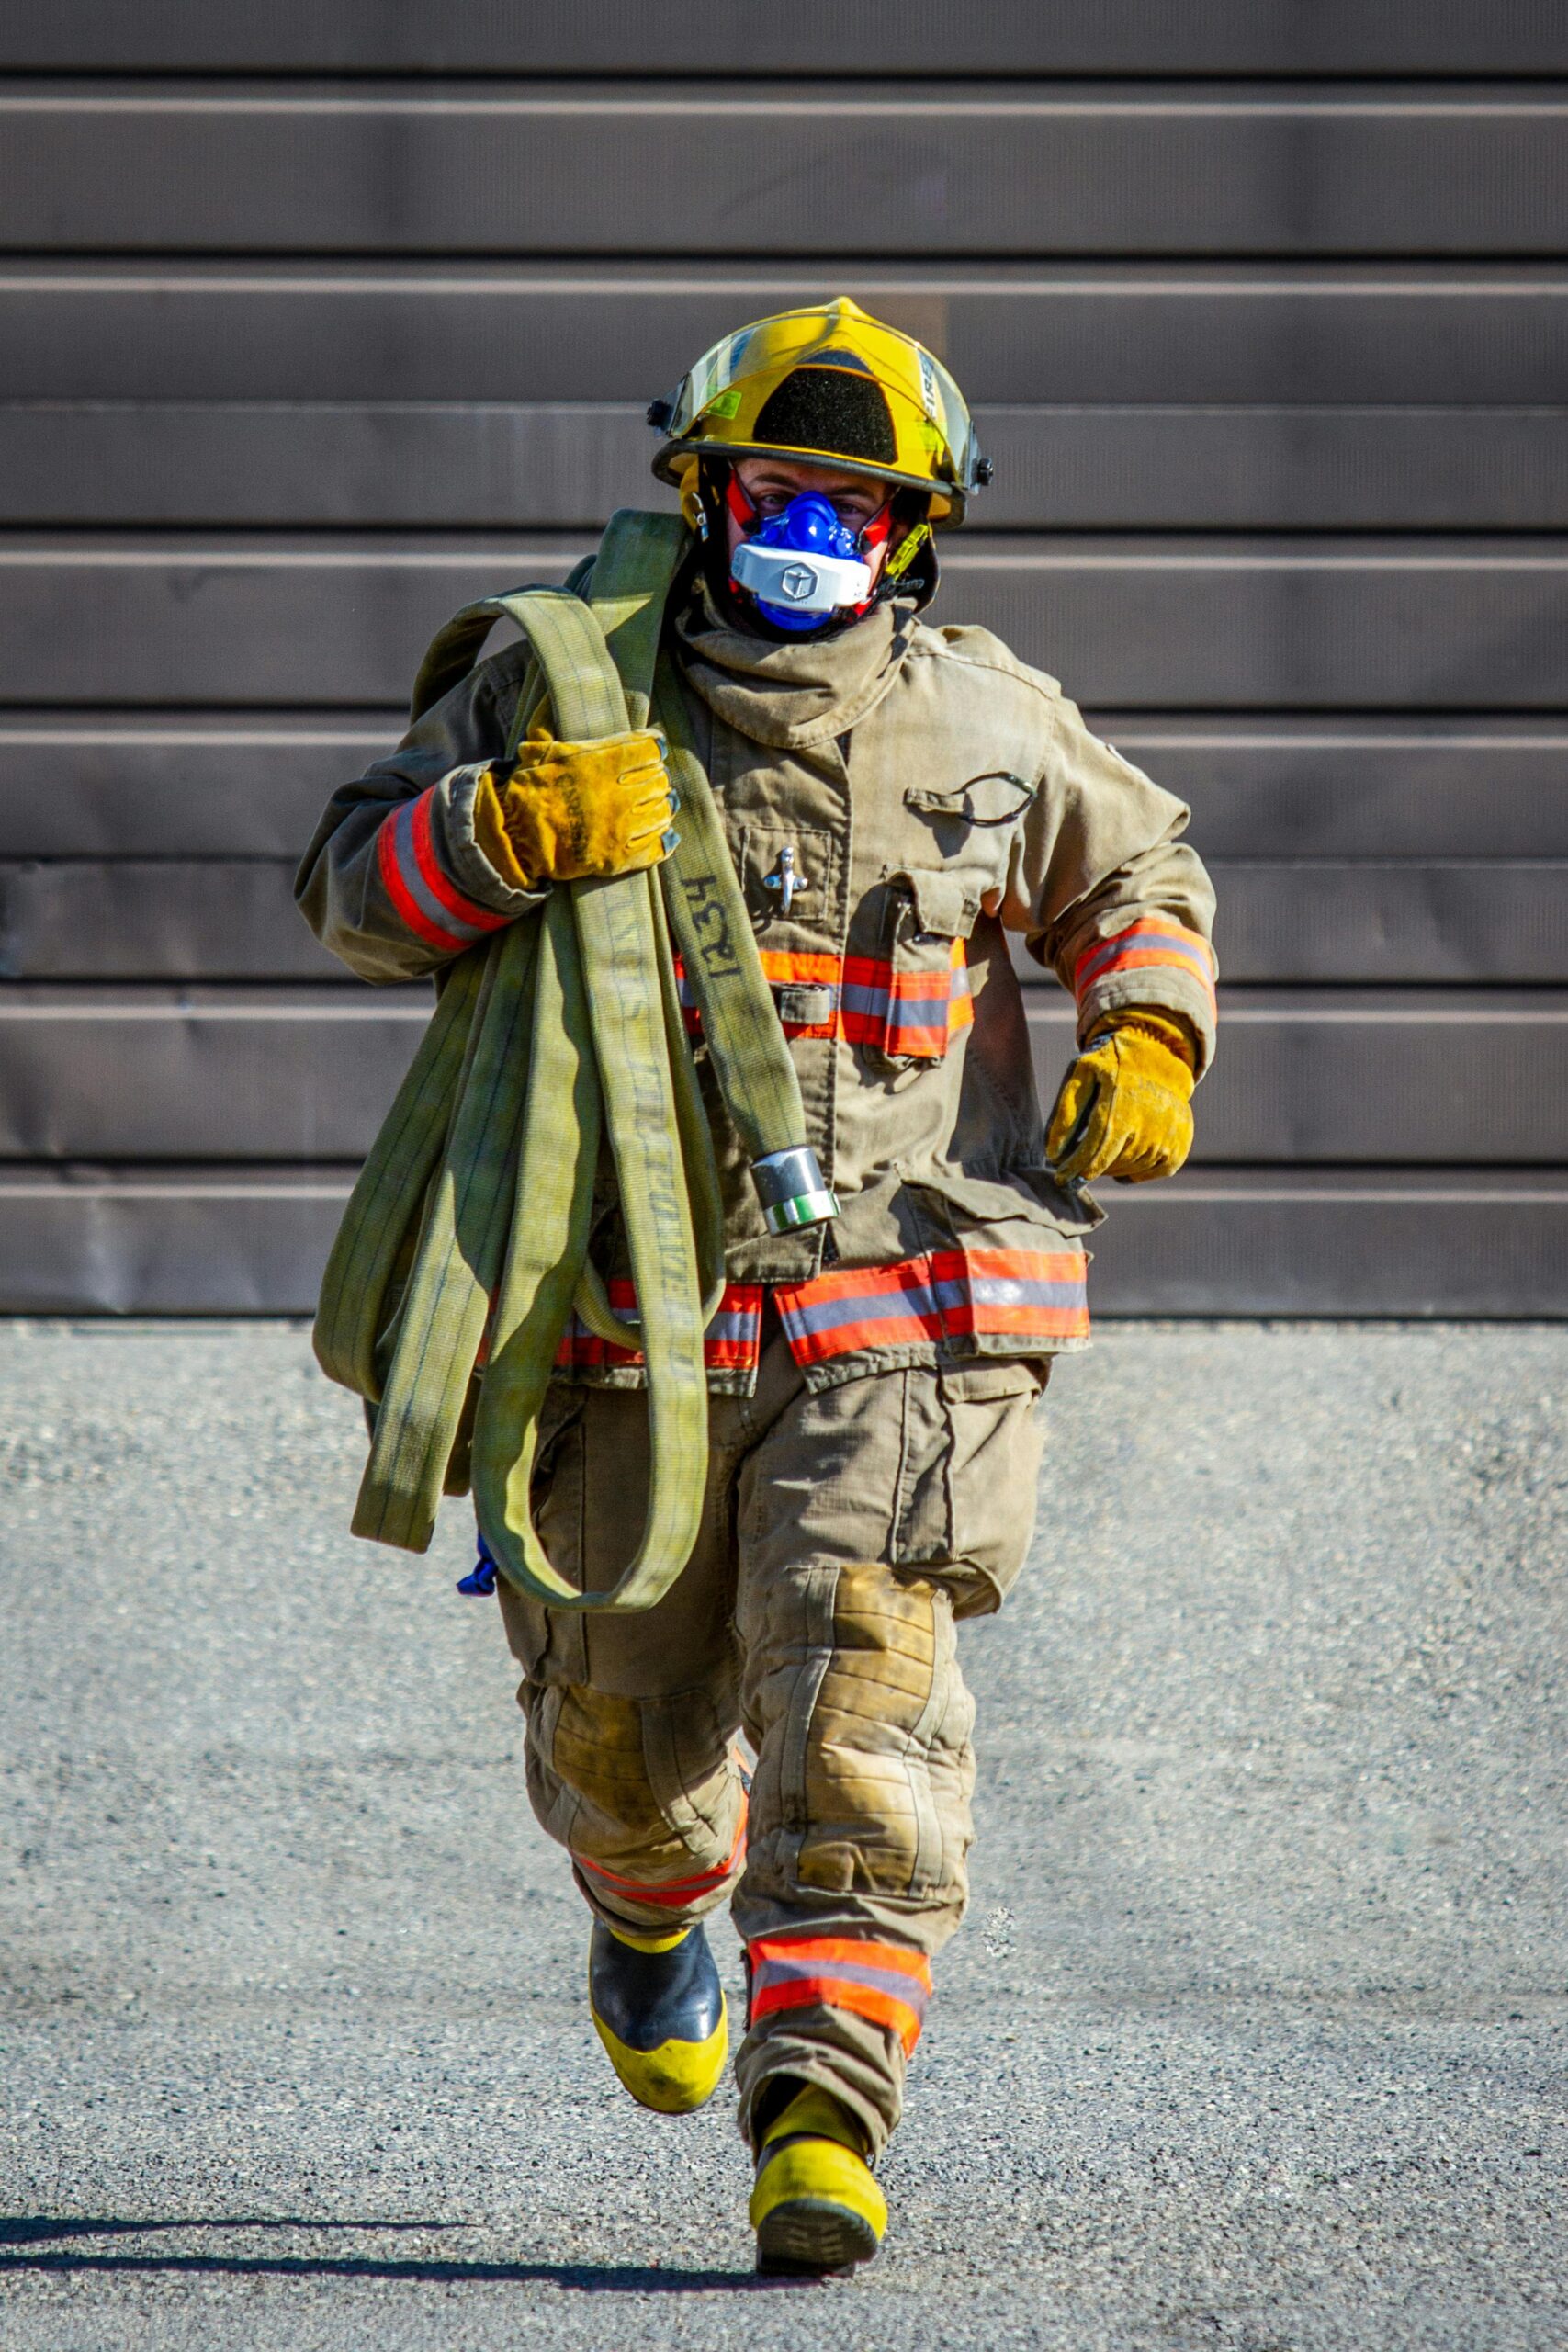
x: 1254, y: 2038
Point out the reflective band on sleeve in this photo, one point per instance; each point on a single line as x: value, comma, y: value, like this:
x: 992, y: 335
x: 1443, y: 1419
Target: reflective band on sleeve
x: 1157, y: 942
x: 426, y: 898
x: 914, y: 1015
x: 1035, y: 1296
x: 731, y: 1342
x: 670, y: 1894
x: 882, y: 1982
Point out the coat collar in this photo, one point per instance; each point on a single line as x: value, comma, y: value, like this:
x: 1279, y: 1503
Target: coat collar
x: 792, y: 696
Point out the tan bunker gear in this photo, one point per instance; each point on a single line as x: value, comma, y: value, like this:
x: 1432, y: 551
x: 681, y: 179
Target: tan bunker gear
x: 895, y: 799
x: 846, y: 1529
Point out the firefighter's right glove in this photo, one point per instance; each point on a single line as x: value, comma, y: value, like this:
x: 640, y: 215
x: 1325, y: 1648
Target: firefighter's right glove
x: 1124, y: 1106
x: 562, y: 811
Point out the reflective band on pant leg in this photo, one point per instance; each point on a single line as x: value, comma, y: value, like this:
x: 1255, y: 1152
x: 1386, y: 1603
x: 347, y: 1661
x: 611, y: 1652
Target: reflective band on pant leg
x: 882, y: 1982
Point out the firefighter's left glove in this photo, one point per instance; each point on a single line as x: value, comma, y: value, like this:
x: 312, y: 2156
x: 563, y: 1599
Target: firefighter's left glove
x: 1123, y: 1107
x: 559, y: 812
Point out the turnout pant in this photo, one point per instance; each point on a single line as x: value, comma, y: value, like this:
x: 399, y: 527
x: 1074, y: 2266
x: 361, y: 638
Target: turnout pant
x: 842, y: 1534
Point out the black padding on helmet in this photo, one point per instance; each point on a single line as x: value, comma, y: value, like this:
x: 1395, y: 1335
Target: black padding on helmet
x: 827, y: 409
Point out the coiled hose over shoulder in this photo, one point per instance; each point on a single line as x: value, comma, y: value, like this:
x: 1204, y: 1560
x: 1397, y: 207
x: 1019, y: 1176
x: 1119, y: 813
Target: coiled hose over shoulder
x: 563, y: 1030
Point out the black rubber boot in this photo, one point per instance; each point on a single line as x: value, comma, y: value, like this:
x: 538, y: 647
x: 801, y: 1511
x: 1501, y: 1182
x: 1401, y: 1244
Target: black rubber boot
x: 661, y: 2013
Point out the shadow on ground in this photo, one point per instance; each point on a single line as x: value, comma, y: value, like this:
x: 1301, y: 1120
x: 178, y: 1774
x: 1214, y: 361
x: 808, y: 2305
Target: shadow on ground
x: 42, y: 2232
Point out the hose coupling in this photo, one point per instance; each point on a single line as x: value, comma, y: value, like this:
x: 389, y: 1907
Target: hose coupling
x: 792, y: 1190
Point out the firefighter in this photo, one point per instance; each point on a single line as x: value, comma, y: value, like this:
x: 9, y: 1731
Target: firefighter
x: 896, y: 799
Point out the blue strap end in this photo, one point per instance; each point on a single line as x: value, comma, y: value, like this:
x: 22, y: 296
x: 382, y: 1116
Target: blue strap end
x: 481, y: 1577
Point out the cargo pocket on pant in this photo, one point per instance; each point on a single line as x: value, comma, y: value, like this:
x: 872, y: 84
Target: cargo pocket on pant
x: 968, y: 1466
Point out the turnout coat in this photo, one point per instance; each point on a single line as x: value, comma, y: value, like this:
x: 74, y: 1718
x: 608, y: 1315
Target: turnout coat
x: 897, y: 798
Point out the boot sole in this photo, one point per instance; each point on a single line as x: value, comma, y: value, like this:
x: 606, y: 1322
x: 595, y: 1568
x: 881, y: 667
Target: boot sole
x: 807, y: 2236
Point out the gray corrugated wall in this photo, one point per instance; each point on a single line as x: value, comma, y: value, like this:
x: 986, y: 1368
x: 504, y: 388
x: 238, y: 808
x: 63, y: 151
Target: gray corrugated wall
x: 315, y: 321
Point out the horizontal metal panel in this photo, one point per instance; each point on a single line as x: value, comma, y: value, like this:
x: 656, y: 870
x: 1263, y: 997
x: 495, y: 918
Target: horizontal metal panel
x: 128, y: 784
x: 1304, y: 625
x: 187, y: 1241
x: 130, y: 918
x: 328, y: 624
x: 1320, y: 1076
x: 1012, y: 37
x: 1358, y: 787
x: 1399, y: 922
x: 131, y: 785
x: 1228, y: 1241
x: 1140, y: 332
x: 1372, y: 1077
x: 1276, y: 468
x: 154, y: 1075
x: 542, y: 467
x: 708, y: 168
x: 556, y: 466
x: 1342, y: 1242
x: 1325, y: 922
x: 1375, y: 921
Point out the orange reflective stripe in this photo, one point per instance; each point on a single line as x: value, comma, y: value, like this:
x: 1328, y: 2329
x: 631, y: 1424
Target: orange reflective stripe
x: 915, y: 1014
x: 410, y: 912
x: 882, y: 1982
x: 673, y: 1893
x: 1155, y: 941
x: 834, y: 1993
x: 464, y: 910
x: 854, y: 1949
x: 1036, y: 1296
x: 789, y: 965
x: 427, y: 899
x: 732, y: 1340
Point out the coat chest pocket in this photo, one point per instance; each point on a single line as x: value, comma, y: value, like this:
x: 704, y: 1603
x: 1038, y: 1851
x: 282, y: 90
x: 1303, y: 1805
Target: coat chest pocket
x: 921, y: 984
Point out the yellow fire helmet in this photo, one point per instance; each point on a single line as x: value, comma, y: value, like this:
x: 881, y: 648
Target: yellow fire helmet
x: 829, y: 386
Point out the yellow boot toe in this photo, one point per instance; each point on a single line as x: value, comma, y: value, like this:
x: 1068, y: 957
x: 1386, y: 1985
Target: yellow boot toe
x: 814, y: 2207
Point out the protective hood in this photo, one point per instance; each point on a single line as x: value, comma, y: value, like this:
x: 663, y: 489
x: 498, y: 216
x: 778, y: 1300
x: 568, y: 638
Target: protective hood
x: 791, y: 693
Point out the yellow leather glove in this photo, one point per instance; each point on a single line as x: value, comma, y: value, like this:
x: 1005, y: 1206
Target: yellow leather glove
x: 1123, y: 1107
x: 564, y: 811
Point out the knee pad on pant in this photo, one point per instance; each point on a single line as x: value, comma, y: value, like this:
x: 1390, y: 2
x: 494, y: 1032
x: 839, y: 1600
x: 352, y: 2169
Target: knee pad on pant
x: 865, y: 1771
x: 643, y: 1793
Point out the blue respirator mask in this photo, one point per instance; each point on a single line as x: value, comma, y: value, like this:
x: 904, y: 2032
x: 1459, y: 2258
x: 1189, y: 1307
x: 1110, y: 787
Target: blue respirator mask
x: 804, y: 565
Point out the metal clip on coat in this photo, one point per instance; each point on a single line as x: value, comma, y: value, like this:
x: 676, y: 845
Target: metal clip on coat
x: 466, y: 1234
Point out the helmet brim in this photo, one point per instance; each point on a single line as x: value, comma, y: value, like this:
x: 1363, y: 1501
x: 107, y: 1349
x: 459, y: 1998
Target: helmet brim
x: 674, y: 460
